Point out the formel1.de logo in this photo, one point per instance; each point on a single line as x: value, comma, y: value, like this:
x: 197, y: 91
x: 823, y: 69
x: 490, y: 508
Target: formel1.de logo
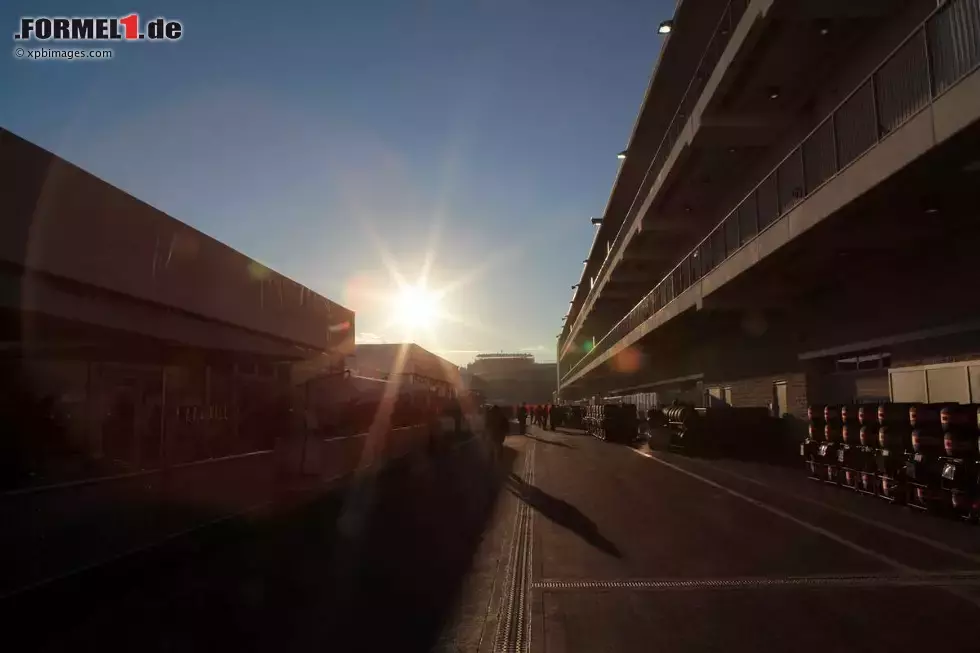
x: 97, y: 28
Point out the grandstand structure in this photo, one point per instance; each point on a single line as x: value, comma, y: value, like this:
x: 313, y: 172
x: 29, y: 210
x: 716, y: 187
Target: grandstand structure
x: 795, y: 217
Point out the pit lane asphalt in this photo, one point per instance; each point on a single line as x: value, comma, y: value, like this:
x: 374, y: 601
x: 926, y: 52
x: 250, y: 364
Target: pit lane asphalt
x: 640, y: 550
x: 616, y: 549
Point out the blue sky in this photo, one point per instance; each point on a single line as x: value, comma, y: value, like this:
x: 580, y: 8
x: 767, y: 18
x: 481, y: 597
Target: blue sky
x: 328, y: 138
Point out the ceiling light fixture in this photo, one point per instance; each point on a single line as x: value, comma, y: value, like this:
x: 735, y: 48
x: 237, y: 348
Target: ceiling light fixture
x: 666, y: 27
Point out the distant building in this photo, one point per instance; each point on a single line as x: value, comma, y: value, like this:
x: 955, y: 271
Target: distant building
x: 490, y: 366
x: 514, y: 378
x: 409, y: 361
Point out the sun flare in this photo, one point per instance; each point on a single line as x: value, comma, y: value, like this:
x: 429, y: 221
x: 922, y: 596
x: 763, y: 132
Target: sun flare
x: 417, y: 307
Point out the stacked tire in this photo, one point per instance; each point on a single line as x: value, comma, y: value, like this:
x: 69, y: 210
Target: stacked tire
x: 894, y: 439
x: 810, y: 449
x: 681, y: 420
x: 960, y: 475
x: 613, y: 422
x: 924, y: 462
x: 924, y: 455
x: 858, y: 452
x: 825, y: 465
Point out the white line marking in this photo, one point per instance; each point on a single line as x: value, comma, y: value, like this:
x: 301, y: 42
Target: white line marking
x: 807, y: 525
x: 922, y: 539
x: 785, y: 515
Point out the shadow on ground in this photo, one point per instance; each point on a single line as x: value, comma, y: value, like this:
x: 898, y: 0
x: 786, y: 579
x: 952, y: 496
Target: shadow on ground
x: 562, y: 513
x: 377, y: 567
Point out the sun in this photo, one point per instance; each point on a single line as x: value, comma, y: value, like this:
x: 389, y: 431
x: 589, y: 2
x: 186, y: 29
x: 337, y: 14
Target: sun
x: 417, y: 307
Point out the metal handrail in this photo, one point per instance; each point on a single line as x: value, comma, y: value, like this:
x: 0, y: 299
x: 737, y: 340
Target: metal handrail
x: 969, y: 32
x: 626, y: 225
x: 671, y: 136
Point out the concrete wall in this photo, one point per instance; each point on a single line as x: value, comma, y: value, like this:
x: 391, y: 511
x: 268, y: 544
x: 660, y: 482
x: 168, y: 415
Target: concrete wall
x: 63, y: 222
x: 846, y: 387
x: 758, y: 392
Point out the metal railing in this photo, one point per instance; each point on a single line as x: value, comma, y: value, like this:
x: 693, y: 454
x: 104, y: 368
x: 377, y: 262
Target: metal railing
x: 940, y: 52
x: 709, y: 59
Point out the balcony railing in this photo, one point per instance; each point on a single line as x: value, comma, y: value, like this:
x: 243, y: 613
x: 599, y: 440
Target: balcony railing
x: 944, y: 49
x: 709, y: 59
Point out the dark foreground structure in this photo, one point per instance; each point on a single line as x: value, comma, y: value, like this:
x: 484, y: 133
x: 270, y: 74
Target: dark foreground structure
x: 155, y: 382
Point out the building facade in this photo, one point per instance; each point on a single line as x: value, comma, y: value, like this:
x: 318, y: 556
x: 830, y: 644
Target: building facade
x: 408, y: 362
x: 511, y: 379
x: 132, y: 342
x: 795, y: 217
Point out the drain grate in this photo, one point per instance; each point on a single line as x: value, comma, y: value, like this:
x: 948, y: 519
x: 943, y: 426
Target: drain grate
x: 967, y: 578
x: 513, y: 621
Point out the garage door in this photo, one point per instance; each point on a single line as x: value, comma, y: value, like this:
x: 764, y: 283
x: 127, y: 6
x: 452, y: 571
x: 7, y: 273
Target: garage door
x: 908, y: 385
x: 957, y: 382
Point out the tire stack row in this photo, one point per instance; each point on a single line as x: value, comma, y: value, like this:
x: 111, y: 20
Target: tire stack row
x: 743, y: 432
x: 923, y: 455
x: 613, y: 422
x: 683, y: 421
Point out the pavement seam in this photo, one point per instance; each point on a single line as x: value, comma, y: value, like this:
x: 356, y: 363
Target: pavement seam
x: 530, y: 554
x: 965, y: 578
x: 507, y: 589
x: 503, y: 555
x: 511, y: 621
x: 507, y: 586
x: 891, y: 562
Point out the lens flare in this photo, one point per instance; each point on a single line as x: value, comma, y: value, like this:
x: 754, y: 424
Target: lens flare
x: 628, y: 361
x: 417, y: 307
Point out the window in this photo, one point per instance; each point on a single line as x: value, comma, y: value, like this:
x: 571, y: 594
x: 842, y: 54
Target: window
x: 847, y: 364
x: 863, y: 362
